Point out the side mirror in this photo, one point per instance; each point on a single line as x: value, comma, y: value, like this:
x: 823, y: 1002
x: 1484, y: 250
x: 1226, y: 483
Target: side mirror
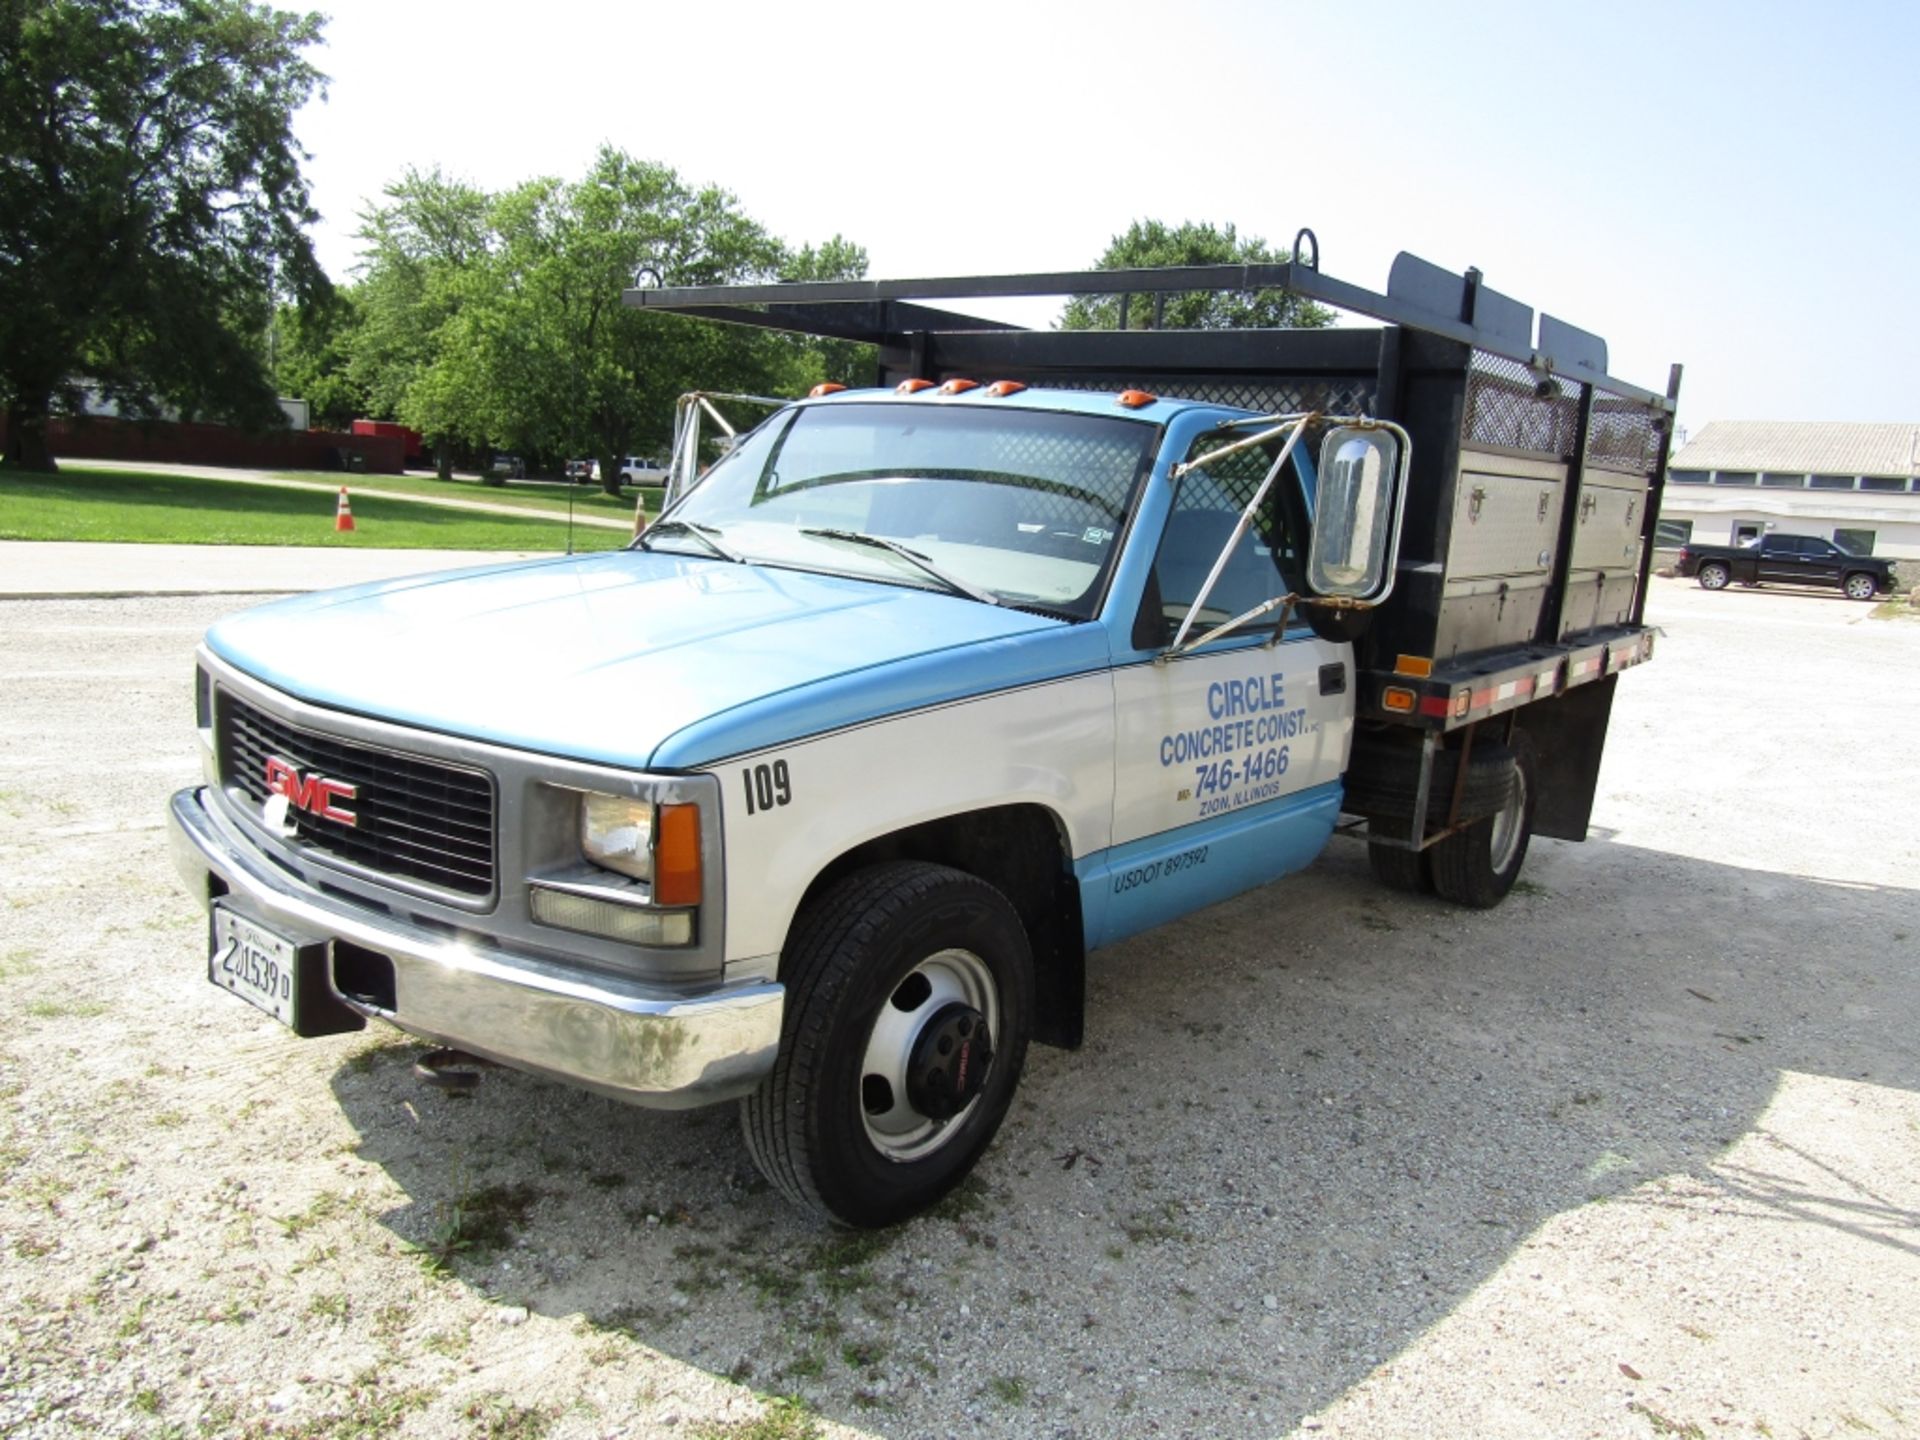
x: 1356, y: 528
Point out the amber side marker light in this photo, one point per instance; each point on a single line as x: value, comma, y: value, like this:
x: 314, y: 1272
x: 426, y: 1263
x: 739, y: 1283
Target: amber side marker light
x: 676, y: 856
x: 825, y: 387
x: 1000, y: 389
x: 1418, y: 666
x: 1398, y: 699
x: 912, y: 387
x: 957, y: 386
x: 1134, y: 399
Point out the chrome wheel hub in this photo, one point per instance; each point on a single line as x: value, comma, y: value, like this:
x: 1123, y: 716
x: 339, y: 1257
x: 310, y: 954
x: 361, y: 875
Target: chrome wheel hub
x: 1508, y: 824
x: 928, y: 1054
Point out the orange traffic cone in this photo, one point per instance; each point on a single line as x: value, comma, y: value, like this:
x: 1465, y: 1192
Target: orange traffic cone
x: 343, y: 516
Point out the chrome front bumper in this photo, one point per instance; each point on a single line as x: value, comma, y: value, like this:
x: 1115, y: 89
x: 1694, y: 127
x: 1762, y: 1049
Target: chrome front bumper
x: 645, y: 1044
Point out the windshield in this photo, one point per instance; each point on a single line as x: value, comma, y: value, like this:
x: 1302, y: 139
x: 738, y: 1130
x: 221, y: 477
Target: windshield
x: 1022, y: 506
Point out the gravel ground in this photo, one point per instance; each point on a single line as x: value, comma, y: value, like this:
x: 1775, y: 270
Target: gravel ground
x: 1637, y: 1154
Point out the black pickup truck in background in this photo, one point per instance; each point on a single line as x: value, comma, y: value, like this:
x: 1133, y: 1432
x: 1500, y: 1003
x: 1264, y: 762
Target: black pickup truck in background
x: 1788, y: 560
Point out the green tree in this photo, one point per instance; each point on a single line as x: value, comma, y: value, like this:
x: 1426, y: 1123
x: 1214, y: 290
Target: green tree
x: 312, y: 354
x: 151, y: 205
x: 498, y: 319
x: 425, y: 257
x: 846, y: 361
x: 1151, y: 243
x: 568, y: 367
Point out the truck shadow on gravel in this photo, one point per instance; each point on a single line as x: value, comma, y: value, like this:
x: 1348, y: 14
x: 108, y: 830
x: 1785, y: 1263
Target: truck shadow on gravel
x: 1307, y: 1125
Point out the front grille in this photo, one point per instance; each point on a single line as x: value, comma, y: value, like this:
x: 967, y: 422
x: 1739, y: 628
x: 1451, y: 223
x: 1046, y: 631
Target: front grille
x: 415, y: 818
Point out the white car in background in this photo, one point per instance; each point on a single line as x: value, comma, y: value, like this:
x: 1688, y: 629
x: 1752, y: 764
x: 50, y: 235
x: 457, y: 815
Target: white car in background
x: 637, y: 470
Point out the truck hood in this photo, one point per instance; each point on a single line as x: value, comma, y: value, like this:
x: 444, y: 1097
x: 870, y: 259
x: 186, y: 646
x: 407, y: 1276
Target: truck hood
x: 642, y: 659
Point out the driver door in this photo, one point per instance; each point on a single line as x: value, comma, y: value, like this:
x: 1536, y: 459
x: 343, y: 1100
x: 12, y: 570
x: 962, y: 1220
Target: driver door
x: 1228, y: 756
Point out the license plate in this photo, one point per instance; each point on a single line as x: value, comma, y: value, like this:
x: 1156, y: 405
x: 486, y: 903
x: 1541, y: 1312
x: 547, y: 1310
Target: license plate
x: 254, y: 963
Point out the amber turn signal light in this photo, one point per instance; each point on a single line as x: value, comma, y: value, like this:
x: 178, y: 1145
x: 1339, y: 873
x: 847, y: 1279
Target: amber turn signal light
x: 676, y: 856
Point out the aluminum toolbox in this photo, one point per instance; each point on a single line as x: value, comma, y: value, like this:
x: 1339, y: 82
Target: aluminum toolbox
x: 1605, y: 564
x: 1506, y: 516
x: 1499, y: 564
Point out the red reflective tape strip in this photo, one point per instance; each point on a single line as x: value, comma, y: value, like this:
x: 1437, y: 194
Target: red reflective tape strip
x: 1480, y: 698
x: 1435, y: 705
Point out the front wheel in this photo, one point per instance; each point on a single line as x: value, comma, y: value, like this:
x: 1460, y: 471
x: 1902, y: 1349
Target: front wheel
x: 1477, y: 866
x: 1714, y: 576
x: 909, y: 1007
x: 1860, y: 586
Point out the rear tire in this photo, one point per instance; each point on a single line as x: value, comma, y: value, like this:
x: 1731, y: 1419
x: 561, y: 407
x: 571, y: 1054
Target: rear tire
x: 1383, y: 780
x: 1405, y: 870
x: 1714, y: 576
x: 1478, y: 865
x: 910, y: 1001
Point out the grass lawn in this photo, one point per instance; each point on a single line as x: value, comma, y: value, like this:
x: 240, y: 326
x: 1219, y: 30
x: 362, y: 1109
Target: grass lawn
x: 534, y: 494
x: 78, y: 504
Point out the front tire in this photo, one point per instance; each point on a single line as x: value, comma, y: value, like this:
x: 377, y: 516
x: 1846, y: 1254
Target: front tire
x: 1478, y: 865
x: 1860, y: 586
x: 1714, y: 576
x: 910, y: 1002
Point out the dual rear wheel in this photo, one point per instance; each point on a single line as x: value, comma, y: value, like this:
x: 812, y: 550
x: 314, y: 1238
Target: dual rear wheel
x: 1477, y: 865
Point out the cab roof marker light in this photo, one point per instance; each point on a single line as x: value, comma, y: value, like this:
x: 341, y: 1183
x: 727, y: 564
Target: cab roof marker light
x: 912, y: 387
x: 825, y: 387
x: 1000, y: 389
x: 959, y: 386
x: 1134, y: 399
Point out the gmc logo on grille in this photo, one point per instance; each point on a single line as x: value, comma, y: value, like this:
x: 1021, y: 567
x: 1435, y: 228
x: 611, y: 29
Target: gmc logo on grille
x: 312, y: 793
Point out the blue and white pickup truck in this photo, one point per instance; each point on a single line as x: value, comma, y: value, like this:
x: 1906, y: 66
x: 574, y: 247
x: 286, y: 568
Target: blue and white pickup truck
x: 818, y: 795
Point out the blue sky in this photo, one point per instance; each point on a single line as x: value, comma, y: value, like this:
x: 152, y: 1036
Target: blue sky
x: 1730, y: 186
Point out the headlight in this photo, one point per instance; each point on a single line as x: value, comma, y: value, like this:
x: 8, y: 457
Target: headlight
x: 617, y: 833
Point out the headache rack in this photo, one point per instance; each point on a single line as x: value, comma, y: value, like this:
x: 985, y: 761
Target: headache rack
x: 1532, y: 495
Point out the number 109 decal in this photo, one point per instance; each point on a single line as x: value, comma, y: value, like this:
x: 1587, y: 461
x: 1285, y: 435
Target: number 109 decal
x: 767, y: 786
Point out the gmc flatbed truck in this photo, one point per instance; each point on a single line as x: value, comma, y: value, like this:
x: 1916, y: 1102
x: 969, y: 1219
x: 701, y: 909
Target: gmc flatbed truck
x: 818, y: 795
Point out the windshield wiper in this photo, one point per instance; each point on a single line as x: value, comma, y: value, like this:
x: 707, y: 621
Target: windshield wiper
x: 913, y: 557
x: 703, y: 533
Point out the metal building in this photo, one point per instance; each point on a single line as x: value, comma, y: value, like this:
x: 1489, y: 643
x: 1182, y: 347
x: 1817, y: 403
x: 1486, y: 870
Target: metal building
x: 1855, y: 484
